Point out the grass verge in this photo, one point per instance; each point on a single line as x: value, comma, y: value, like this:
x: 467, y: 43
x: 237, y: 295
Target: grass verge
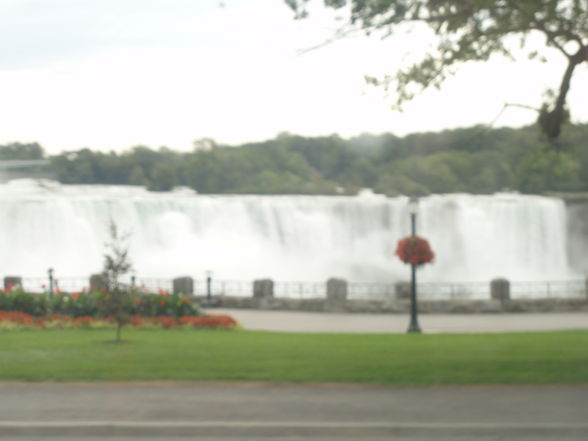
x: 82, y: 355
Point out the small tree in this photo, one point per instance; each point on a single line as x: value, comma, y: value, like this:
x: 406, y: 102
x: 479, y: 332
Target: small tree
x: 116, y: 301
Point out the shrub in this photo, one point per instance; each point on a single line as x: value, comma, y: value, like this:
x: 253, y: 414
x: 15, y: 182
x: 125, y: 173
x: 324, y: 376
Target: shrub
x: 18, y: 300
x: 84, y: 303
x: 165, y: 304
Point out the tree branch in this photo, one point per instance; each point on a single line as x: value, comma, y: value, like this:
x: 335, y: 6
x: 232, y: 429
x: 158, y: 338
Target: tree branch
x: 552, y: 120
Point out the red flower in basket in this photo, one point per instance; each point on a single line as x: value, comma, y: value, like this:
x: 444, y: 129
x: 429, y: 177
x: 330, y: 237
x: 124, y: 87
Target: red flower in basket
x: 414, y: 250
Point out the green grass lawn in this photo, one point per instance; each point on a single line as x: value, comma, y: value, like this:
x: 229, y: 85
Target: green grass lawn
x: 83, y: 355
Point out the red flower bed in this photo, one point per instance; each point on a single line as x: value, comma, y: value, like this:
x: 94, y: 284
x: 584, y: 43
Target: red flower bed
x: 209, y: 321
x: 414, y: 250
x: 83, y: 322
x: 15, y: 319
x: 19, y: 318
x: 199, y: 321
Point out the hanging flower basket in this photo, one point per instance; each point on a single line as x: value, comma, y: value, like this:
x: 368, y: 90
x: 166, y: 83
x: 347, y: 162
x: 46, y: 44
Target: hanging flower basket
x: 414, y: 250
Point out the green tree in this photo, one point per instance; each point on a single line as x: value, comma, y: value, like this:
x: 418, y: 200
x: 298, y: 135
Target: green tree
x: 556, y: 171
x: 162, y: 177
x: 491, y: 172
x: 137, y: 176
x: 393, y: 184
x: 17, y: 150
x: 473, y: 30
x: 116, y: 302
x: 76, y: 167
x: 475, y: 159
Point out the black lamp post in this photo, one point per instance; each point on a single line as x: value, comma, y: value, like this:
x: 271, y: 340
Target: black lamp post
x: 413, y: 327
x: 209, y: 286
x: 51, y: 282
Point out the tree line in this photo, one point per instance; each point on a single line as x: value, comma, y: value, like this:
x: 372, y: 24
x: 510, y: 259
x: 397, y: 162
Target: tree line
x: 476, y: 160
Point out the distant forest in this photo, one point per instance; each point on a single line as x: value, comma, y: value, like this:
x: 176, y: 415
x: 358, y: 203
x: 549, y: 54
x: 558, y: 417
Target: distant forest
x: 475, y: 160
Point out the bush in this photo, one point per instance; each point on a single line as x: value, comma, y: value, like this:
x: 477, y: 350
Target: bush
x: 87, y: 304
x: 18, y: 300
x: 165, y: 304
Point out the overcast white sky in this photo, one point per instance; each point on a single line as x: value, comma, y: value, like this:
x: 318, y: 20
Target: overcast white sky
x: 112, y: 74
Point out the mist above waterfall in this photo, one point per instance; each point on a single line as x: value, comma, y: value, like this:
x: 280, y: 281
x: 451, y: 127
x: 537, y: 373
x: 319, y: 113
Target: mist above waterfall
x: 287, y: 238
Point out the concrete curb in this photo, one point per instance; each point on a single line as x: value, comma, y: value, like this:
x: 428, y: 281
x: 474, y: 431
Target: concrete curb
x: 288, y: 428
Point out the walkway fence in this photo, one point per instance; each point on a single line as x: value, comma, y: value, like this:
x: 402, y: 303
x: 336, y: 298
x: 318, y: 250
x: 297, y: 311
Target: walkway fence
x: 310, y: 290
x: 430, y: 291
x: 573, y: 288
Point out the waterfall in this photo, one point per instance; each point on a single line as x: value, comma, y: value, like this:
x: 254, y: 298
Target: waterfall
x: 290, y: 238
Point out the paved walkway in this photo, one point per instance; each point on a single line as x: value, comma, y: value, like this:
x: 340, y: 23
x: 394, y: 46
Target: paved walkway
x: 287, y: 321
x: 293, y: 412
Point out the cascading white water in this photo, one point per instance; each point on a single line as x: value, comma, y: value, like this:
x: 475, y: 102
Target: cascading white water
x: 306, y: 238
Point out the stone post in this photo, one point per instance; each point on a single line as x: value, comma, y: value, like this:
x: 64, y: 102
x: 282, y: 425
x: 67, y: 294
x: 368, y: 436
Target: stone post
x: 12, y: 282
x: 263, y: 289
x: 402, y: 290
x: 98, y: 282
x: 500, y: 290
x: 336, y: 295
x: 183, y: 285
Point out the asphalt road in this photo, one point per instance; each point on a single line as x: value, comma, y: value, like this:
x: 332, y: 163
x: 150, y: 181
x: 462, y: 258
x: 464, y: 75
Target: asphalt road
x: 249, y: 411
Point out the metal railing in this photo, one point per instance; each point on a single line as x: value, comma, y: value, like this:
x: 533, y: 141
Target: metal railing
x: 454, y: 291
x: 365, y: 291
x: 428, y: 291
x: 556, y: 289
x: 302, y: 290
x: 154, y: 285
x: 65, y: 284
x: 237, y: 288
x: 356, y: 290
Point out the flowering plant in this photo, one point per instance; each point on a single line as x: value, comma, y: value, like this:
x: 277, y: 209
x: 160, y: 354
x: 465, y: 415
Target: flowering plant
x: 90, y: 303
x: 414, y: 250
x: 15, y: 320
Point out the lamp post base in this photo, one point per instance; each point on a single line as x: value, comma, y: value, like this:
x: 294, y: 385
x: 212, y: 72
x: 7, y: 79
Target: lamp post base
x: 414, y: 328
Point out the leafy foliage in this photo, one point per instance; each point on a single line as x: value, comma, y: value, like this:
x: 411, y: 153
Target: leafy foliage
x: 116, y: 301
x: 18, y: 150
x: 473, y: 30
x: 476, y: 160
x: 90, y: 304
